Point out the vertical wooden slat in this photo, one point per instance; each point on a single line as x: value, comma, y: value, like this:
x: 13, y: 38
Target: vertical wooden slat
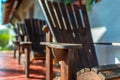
x: 76, y: 33
x: 67, y: 37
x: 71, y: 15
x: 65, y: 17
x: 78, y: 17
x: 39, y: 24
x: 54, y: 19
x: 52, y: 14
x: 47, y: 15
x: 59, y: 15
x: 59, y: 19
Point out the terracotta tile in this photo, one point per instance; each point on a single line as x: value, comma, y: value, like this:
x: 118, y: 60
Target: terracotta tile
x: 10, y: 70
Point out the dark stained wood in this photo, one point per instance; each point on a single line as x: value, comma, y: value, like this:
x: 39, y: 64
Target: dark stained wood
x: 70, y: 33
x: 69, y: 24
x: 34, y: 36
x: 27, y: 62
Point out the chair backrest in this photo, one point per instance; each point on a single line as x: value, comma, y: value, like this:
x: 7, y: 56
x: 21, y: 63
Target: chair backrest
x: 21, y: 31
x: 35, y: 34
x: 69, y: 23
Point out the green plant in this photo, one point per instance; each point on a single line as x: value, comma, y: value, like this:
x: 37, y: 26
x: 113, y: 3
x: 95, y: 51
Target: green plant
x: 67, y: 1
x: 4, y: 40
x: 88, y: 3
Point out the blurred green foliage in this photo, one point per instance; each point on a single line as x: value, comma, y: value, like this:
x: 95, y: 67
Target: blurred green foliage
x: 4, y: 39
x: 88, y: 3
x: 67, y: 1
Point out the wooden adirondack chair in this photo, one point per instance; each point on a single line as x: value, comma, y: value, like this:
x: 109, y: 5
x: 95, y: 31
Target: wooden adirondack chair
x: 34, y: 37
x: 69, y: 24
x: 20, y: 34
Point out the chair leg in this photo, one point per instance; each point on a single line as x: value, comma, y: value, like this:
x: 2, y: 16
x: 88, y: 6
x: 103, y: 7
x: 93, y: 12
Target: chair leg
x: 49, y: 66
x: 19, y: 58
x: 19, y: 55
x: 27, y: 64
x: 64, y: 71
x: 14, y: 53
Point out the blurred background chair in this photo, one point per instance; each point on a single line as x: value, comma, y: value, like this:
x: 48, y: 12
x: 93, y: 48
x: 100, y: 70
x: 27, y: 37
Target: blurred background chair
x: 20, y: 35
x: 34, y: 37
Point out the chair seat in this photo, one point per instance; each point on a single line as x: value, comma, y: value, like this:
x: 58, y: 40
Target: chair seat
x: 39, y: 56
x: 111, y: 74
x: 109, y: 71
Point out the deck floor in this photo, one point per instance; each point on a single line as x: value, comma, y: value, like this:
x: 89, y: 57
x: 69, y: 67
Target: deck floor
x: 11, y: 70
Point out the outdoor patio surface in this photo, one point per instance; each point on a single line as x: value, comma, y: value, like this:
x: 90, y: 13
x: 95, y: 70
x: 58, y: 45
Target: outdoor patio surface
x: 11, y: 70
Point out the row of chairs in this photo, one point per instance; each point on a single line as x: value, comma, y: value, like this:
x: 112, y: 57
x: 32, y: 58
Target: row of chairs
x: 73, y: 47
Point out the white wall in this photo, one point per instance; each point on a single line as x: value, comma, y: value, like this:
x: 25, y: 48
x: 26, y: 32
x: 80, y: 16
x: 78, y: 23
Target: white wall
x: 107, y: 14
x: 38, y: 11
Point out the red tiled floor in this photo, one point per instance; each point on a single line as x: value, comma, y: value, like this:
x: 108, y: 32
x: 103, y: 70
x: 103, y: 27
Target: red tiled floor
x: 10, y: 70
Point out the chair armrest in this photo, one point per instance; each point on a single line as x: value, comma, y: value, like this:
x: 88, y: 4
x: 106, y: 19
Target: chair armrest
x: 25, y: 43
x: 108, y: 43
x: 60, y: 50
x: 62, y: 45
x: 16, y: 42
x: 45, y: 28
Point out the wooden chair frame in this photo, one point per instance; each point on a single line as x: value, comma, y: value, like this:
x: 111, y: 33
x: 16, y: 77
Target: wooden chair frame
x: 60, y: 18
x: 29, y: 43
